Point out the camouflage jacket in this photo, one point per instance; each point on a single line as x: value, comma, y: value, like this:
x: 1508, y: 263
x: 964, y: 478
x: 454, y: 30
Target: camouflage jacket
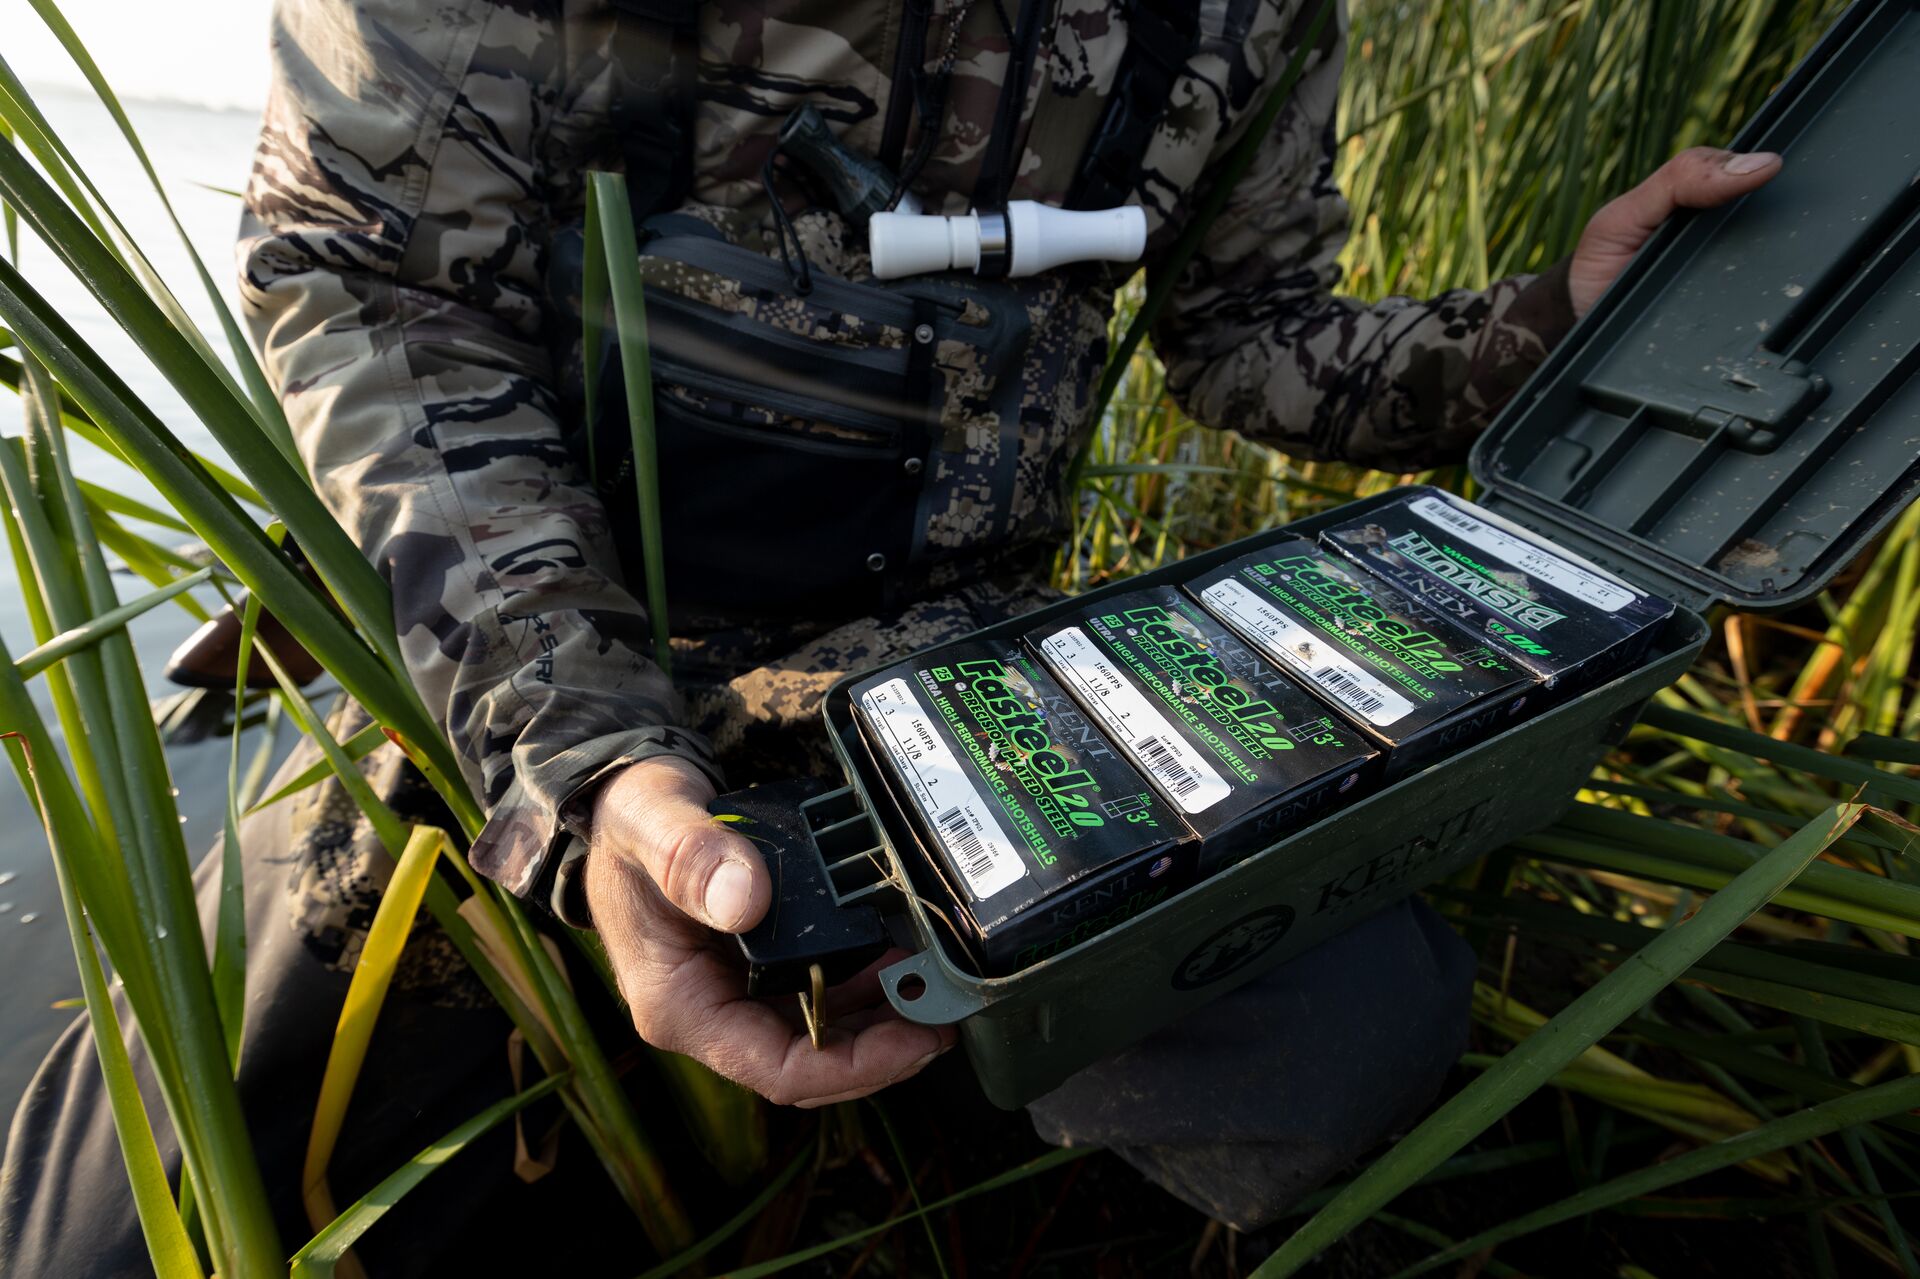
x: 415, y: 161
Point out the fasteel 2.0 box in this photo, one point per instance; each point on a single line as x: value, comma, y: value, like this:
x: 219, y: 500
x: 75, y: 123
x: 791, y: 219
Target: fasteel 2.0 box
x: 1041, y: 831
x: 1243, y: 752
x: 1418, y: 685
x: 1567, y: 620
x: 1731, y: 425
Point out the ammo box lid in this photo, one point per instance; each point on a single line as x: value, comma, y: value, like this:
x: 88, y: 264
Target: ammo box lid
x: 1736, y: 418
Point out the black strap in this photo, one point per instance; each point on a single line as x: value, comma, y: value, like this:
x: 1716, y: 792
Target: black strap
x: 995, y: 177
x: 1161, y: 38
x: 656, y: 45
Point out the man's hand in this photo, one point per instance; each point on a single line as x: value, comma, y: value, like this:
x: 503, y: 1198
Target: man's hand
x: 662, y: 875
x: 1697, y: 178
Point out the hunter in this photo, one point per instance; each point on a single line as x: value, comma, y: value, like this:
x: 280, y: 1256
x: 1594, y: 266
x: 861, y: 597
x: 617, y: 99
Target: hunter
x: 851, y: 470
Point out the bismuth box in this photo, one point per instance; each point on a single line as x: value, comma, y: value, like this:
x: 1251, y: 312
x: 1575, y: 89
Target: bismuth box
x: 1041, y: 831
x: 1243, y: 752
x: 1570, y: 622
x: 1730, y: 425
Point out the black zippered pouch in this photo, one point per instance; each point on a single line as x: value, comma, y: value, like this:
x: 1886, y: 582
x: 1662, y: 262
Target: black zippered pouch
x: 807, y: 421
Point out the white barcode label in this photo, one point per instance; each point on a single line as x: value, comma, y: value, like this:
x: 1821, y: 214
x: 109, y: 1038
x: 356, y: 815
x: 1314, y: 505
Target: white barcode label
x: 1587, y: 584
x: 1164, y: 763
x: 1134, y: 722
x: 970, y: 852
x: 1316, y: 659
x: 947, y: 795
x: 1348, y: 689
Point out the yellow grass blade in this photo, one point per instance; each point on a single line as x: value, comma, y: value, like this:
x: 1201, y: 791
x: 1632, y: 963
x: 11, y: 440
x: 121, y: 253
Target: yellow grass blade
x: 365, y: 994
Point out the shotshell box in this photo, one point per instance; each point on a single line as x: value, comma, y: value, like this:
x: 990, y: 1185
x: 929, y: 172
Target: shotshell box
x: 1039, y: 829
x: 1560, y: 616
x: 1243, y: 752
x: 1417, y: 684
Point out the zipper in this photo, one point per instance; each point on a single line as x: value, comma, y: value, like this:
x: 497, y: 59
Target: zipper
x: 883, y: 447
x: 908, y: 59
x: 868, y: 301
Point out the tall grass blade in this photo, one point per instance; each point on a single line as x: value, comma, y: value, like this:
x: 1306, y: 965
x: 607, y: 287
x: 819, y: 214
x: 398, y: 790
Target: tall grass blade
x: 113, y: 621
x: 514, y: 964
x: 1861, y: 1107
x: 155, y: 943
x: 1888, y: 908
x: 913, y: 1185
x: 241, y: 544
x: 1884, y: 750
x: 115, y: 502
x: 19, y: 110
x: 1012, y: 1176
x: 619, y: 1140
x: 683, y: 1262
x: 230, y: 421
x: 728, y: 1122
x: 613, y: 271
x: 356, y: 748
x: 1813, y: 1048
x: 265, y: 401
x: 106, y: 884
x: 154, y: 833
x: 1889, y: 787
x: 230, y: 915
x: 77, y: 422
x: 328, y: 1249
x: 172, y: 1253
x: 167, y: 984
x: 1531, y: 1064
x: 372, y: 975
x: 1764, y: 1068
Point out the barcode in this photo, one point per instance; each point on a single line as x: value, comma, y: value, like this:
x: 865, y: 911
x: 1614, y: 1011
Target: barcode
x: 975, y: 858
x: 1349, y: 690
x: 1164, y: 764
x: 1459, y: 519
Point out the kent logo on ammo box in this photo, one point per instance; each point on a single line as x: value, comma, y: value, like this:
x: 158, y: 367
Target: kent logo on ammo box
x: 1242, y: 751
x: 1039, y: 828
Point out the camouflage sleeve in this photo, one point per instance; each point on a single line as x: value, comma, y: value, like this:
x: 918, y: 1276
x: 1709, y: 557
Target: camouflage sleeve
x: 391, y: 273
x: 1254, y: 339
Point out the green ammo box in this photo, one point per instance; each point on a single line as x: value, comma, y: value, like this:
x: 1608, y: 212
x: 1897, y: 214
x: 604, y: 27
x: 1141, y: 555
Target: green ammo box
x: 1731, y: 425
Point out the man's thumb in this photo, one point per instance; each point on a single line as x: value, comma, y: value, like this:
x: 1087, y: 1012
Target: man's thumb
x: 660, y: 820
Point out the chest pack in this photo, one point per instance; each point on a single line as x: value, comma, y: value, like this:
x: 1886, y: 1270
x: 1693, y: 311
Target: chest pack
x: 800, y: 423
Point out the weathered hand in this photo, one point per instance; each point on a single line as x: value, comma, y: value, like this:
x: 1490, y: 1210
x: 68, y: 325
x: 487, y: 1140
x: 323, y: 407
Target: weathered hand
x: 1697, y: 178
x: 662, y: 876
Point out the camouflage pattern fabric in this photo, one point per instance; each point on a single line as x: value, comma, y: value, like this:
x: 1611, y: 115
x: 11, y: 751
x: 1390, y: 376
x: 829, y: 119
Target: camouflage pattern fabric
x: 413, y: 164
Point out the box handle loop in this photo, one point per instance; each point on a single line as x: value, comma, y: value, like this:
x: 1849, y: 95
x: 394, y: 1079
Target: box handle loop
x: 921, y: 992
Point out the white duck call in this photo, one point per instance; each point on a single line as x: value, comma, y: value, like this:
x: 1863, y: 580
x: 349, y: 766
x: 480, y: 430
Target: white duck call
x: 1025, y: 238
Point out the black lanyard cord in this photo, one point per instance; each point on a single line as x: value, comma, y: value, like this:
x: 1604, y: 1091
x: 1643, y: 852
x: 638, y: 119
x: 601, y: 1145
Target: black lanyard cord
x: 995, y: 178
x: 930, y: 99
x: 799, y: 270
